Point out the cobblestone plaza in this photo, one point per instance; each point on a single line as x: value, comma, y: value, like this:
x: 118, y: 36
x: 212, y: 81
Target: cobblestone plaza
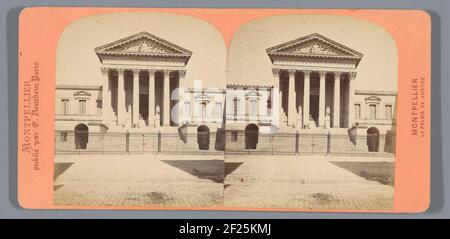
x: 201, y: 181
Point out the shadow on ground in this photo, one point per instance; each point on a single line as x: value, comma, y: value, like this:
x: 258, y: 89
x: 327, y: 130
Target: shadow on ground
x: 60, y: 168
x: 203, y: 169
x: 229, y: 168
x: 382, y: 172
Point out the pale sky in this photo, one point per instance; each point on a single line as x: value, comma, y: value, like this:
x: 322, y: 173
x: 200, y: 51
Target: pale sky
x: 77, y: 62
x: 248, y: 62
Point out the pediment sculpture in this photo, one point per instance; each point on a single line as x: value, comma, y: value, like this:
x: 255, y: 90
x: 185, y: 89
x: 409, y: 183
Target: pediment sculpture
x: 144, y: 47
x: 315, y: 49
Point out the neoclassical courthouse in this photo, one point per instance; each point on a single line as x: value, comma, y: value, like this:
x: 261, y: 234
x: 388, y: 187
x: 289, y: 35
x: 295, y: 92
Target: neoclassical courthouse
x: 145, y: 104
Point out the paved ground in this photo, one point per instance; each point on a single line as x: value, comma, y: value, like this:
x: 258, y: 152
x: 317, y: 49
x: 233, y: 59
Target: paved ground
x: 198, y: 181
x: 138, y: 180
x: 287, y: 182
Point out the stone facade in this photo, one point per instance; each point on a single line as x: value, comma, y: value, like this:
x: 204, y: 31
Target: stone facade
x: 144, y: 104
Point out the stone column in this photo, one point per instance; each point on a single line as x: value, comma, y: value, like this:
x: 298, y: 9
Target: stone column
x: 151, y: 97
x: 120, y: 96
x: 135, y: 96
x: 192, y: 113
x: 322, y: 75
x: 276, y: 99
x: 337, y: 99
x: 166, y: 104
x: 106, y: 96
x: 351, y: 101
x: 306, y: 91
x: 291, y: 98
x: 180, y: 110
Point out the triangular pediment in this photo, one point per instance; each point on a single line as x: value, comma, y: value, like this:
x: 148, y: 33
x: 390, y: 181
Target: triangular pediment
x: 203, y: 97
x: 251, y: 93
x: 143, y: 44
x: 373, y: 98
x: 314, y: 45
x: 81, y: 93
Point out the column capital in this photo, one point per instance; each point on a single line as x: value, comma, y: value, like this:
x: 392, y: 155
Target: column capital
x: 181, y: 73
x: 120, y: 71
x: 105, y: 70
x: 276, y: 72
x: 306, y: 73
x: 352, y: 75
x: 337, y: 75
x: 135, y: 71
x: 323, y: 74
x: 291, y: 72
x: 166, y: 73
x: 151, y: 72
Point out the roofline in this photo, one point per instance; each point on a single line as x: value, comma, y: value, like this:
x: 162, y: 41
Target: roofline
x: 143, y: 54
x: 78, y: 87
x: 314, y: 35
x: 247, y: 86
x: 376, y: 92
x: 142, y: 33
x: 322, y: 56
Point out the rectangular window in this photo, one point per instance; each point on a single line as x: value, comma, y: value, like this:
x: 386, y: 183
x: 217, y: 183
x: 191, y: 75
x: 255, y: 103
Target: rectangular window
x: 372, y: 111
x: 234, y: 136
x: 63, y: 136
x: 253, y: 108
x: 218, y: 109
x: 235, y: 108
x: 82, y: 105
x: 65, y: 106
x: 357, y: 111
x: 388, y: 112
x: 203, y: 110
x: 99, y: 107
x: 187, y: 111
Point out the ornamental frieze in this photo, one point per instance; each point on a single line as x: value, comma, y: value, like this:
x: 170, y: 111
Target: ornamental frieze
x: 144, y: 47
x: 314, y: 49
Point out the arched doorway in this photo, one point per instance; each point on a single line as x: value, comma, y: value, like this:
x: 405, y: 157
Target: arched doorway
x: 81, y: 136
x: 373, y: 139
x: 251, y: 136
x: 203, y: 135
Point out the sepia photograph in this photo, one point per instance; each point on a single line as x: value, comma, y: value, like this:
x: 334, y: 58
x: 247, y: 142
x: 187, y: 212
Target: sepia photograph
x: 155, y: 109
x: 131, y: 104
x: 329, y: 143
